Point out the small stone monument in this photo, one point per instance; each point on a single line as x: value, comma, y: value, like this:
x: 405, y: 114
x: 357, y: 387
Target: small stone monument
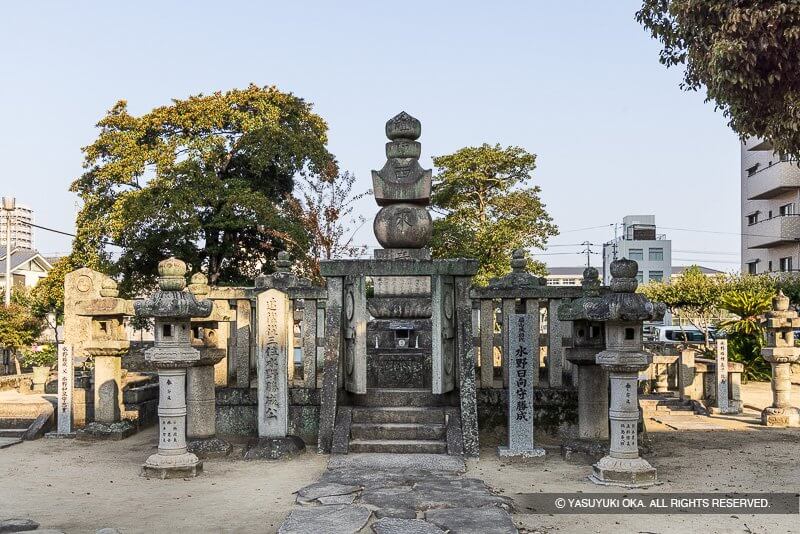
x: 588, y: 339
x: 523, y: 363
x: 624, y: 311
x: 106, y: 344
x: 201, y: 416
x: 172, y: 353
x: 780, y: 352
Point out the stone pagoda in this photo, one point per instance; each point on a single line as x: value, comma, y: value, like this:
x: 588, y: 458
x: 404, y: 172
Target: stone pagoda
x: 623, y: 311
x: 781, y: 353
x: 399, y: 338
x: 173, y: 309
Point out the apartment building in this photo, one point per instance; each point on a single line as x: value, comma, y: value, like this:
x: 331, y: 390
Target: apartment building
x: 640, y: 241
x: 770, y: 222
x: 21, y: 229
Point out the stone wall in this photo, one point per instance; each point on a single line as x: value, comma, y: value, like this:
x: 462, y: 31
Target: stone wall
x: 237, y: 413
x: 555, y: 409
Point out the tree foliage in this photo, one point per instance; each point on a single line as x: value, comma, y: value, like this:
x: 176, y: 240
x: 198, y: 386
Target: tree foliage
x: 18, y: 326
x: 46, y: 300
x: 748, y: 298
x: 744, y: 52
x: 325, y: 209
x: 489, y: 208
x: 205, y: 178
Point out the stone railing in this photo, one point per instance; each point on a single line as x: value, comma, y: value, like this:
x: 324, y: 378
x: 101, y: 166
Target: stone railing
x: 490, y: 307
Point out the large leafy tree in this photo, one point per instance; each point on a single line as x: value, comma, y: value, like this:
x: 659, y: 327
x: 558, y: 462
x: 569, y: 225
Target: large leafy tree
x: 205, y: 178
x: 18, y: 327
x: 744, y: 52
x: 489, y: 207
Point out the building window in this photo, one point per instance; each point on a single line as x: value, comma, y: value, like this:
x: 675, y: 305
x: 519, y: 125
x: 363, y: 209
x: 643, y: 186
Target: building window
x: 786, y: 264
x: 751, y: 267
x: 787, y: 209
x: 640, y: 277
x: 752, y: 219
x: 655, y: 254
x: 769, y: 266
x: 636, y: 254
x: 655, y: 276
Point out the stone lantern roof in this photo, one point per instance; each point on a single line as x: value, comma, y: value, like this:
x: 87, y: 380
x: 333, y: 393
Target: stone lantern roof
x: 171, y: 300
x: 622, y: 304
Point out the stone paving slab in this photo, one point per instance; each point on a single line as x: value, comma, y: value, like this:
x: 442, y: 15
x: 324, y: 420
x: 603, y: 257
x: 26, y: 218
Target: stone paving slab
x: 342, y: 519
x: 689, y: 423
x: 7, y: 442
x: 397, y: 491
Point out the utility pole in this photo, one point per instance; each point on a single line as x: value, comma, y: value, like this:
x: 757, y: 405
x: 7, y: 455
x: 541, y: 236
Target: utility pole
x: 588, y: 252
x: 9, y: 204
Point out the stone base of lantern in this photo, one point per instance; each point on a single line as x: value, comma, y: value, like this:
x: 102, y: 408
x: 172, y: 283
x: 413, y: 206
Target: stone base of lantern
x: 106, y: 431
x: 275, y: 448
x: 781, y: 417
x: 213, y: 447
x: 535, y: 452
x: 626, y: 472
x: 162, y: 466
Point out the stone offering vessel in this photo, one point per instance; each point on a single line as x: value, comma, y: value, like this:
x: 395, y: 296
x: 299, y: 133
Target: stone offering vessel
x: 403, y: 188
x: 173, y: 309
x: 780, y: 352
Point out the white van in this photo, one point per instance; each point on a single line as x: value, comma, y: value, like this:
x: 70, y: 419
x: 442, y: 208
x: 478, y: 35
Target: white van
x: 674, y: 334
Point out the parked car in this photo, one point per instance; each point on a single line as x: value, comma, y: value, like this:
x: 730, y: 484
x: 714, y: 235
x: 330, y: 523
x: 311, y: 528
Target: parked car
x: 676, y: 335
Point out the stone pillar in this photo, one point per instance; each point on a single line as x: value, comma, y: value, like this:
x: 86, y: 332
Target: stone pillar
x: 780, y: 352
x: 662, y: 377
x: 107, y: 389
x: 624, y: 358
x: 521, y: 356
x: 201, y: 417
x: 171, y: 354
x: 275, y: 320
x: 687, y: 381
x: 588, y: 339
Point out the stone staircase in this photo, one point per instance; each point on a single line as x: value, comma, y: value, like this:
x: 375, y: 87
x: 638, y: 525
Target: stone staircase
x: 399, y: 421
x: 665, y: 405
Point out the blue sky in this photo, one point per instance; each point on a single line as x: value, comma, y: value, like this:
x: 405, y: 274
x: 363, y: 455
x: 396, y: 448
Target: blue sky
x: 577, y: 83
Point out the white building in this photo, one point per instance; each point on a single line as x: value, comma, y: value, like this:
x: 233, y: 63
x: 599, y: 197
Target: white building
x: 21, y: 229
x: 770, y: 221
x: 565, y: 276
x: 641, y: 242
x: 27, y: 268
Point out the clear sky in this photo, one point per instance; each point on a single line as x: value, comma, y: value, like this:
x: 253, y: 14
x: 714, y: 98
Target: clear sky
x: 577, y: 83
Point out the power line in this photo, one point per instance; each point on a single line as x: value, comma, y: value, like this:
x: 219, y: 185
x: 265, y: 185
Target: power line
x: 103, y: 241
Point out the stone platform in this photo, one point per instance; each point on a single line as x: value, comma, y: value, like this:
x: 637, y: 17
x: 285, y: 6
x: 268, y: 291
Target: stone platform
x: 393, y: 493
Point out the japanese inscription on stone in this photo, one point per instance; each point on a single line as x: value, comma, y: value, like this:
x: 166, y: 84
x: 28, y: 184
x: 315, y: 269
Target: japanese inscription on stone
x: 274, y: 344
x: 722, y: 375
x: 520, y: 391
x: 65, y: 385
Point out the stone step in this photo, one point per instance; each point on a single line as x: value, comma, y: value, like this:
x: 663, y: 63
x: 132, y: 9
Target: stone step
x: 398, y: 446
x: 399, y: 397
x: 12, y: 432
x: 398, y: 414
x: 397, y: 431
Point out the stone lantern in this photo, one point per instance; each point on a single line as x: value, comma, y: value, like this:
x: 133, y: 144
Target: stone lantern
x: 172, y: 308
x: 781, y: 352
x: 587, y: 316
x: 107, y: 343
x: 201, y: 413
x: 624, y: 311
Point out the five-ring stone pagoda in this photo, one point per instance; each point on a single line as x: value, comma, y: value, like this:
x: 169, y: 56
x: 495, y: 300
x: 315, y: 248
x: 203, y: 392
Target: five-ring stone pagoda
x: 407, y: 350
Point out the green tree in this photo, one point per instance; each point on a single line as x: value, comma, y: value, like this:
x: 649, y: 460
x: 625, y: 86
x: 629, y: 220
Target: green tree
x: 206, y: 179
x: 748, y: 300
x: 18, y: 327
x: 489, y: 208
x: 692, y: 297
x: 744, y: 53
x: 46, y: 300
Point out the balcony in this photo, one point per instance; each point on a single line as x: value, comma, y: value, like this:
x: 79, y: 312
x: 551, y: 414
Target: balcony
x: 772, y: 180
x: 772, y: 232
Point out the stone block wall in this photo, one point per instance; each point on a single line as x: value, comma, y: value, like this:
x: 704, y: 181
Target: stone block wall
x: 237, y: 413
x: 555, y: 409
